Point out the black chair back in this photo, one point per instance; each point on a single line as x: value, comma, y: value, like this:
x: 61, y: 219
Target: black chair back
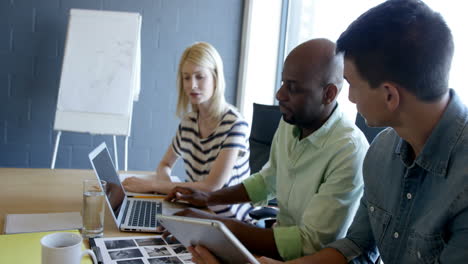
x: 369, y: 132
x: 265, y: 121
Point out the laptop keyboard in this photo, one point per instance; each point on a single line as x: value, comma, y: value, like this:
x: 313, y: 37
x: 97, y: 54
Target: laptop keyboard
x: 143, y: 213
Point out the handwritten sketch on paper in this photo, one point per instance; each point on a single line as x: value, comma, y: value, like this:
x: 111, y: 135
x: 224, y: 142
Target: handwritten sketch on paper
x: 100, y: 73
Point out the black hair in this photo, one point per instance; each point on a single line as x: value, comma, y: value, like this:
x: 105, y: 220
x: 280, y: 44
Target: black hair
x: 401, y: 41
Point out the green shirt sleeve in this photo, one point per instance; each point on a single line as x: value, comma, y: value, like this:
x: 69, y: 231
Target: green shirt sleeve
x: 261, y: 186
x: 288, y: 242
x: 256, y: 189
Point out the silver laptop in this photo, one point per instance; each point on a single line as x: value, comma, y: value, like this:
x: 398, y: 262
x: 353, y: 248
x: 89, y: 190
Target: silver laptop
x: 130, y: 214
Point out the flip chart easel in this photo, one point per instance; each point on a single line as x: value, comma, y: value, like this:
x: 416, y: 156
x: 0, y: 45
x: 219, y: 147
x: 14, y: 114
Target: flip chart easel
x: 100, y: 77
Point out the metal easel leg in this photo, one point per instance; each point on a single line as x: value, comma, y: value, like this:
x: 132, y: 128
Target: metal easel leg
x: 54, y: 155
x: 115, y: 154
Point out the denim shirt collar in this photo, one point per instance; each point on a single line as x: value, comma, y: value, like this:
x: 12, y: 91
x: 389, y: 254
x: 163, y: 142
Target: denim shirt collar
x: 450, y: 128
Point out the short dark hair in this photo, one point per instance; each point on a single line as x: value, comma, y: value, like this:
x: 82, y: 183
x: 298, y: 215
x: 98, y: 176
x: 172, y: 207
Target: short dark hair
x: 401, y: 41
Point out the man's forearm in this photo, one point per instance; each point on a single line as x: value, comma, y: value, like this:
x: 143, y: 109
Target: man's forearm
x: 259, y: 241
x: 324, y: 256
x: 230, y: 195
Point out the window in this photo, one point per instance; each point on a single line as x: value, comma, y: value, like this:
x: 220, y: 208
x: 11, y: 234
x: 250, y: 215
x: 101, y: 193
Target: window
x: 454, y: 14
x: 328, y: 18
x: 309, y: 19
x: 259, y: 54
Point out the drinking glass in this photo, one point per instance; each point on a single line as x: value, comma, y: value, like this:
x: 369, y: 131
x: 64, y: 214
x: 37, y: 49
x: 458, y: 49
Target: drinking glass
x: 93, y: 208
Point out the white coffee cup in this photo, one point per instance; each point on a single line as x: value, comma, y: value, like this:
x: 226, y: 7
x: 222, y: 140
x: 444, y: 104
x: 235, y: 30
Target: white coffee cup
x: 59, y: 248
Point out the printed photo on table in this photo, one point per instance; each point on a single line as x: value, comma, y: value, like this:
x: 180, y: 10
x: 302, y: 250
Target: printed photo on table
x: 171, y: 240
x: 165, y: 260
x: 179, y: 249
x: 131, y: 261
x: 126, y: 253
x: 115, y: 244
x: 157, y: 251
x: 187, y: 258
x: 150, y: 242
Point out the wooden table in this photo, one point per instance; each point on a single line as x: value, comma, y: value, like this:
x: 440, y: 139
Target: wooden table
x: 28, y: 191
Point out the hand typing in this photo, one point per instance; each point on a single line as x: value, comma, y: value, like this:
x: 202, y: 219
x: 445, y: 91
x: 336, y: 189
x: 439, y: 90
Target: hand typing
x: 192, y: 196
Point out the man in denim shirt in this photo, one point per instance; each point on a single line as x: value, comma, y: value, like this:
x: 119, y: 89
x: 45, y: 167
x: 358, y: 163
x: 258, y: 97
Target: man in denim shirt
x: 415, y: 203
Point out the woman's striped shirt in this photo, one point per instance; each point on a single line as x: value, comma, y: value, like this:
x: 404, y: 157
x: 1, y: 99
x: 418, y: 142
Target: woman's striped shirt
x: 200, y: 153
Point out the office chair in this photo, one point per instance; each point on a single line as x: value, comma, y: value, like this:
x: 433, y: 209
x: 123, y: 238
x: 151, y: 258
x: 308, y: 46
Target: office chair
x: 369, y: 132
x: 265, y: 121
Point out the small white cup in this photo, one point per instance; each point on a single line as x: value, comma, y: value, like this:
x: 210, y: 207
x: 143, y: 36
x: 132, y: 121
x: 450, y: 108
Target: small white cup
x: 59, y: 248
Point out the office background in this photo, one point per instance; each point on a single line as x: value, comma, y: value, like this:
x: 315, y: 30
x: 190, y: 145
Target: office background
x: 32, y: 38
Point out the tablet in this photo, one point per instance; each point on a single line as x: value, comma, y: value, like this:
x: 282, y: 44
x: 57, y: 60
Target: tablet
x: 211, y: 234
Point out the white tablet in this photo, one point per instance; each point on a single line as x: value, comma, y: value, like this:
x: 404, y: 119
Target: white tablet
x: 211, y: 234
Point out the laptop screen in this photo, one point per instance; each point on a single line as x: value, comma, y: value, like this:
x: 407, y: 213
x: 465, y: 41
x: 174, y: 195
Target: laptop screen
x: 105, y: 170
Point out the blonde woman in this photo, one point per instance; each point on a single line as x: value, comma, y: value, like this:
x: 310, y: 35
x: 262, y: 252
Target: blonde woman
x: 212, y: 138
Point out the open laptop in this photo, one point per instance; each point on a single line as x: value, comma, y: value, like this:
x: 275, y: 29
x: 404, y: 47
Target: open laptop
x: 130, y: 214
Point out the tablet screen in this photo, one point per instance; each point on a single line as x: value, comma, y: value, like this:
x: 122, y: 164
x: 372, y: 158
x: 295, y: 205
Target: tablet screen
x: 211, y: 234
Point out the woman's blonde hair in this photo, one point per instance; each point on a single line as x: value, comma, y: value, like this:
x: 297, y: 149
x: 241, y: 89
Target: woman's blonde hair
x: 205, y: 55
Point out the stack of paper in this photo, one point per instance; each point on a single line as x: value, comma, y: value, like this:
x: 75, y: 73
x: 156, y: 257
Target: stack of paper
x: 26, y: 223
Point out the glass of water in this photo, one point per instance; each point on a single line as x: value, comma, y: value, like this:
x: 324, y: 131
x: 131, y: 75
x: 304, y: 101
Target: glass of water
x: 93, y: 208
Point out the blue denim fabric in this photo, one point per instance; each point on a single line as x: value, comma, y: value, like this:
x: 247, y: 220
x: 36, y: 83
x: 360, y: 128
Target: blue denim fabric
x: 414, y: 211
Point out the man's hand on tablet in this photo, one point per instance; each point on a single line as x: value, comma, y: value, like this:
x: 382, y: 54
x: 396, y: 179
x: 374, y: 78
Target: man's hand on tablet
x: 201, y: 255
